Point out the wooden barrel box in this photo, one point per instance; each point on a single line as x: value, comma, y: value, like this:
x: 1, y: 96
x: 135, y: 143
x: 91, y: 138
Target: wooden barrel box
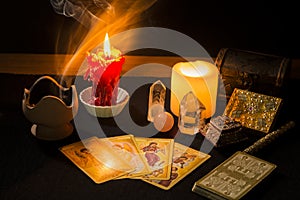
x: 254, y: 71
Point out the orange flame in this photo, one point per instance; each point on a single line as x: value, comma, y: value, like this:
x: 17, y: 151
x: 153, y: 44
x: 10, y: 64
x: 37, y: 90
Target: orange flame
x: 127, y: 16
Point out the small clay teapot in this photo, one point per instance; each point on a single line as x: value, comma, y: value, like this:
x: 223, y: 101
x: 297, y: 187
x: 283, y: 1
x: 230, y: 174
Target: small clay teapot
x: 50, y: 107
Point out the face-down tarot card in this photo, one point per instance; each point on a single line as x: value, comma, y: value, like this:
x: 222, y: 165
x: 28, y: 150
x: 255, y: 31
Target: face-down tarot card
x: 96, y: 159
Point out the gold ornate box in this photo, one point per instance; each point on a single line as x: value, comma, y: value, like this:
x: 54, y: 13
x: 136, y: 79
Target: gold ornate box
x: 253, y: 110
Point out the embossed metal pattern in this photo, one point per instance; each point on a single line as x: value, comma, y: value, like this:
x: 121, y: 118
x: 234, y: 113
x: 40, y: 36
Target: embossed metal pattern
x: 253, y: 110
x: 234, y: 177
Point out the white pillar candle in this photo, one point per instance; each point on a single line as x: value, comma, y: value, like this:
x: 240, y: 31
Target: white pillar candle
x: 201, y: 78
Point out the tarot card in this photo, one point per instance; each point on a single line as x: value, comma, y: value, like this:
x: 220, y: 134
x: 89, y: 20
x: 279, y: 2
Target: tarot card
x: 185, y: 160
x: 96, y: 159
x: 158, y: 153
x: 126, y: 147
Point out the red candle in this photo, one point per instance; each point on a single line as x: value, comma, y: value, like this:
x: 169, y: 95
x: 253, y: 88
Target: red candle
x: 104, y: 70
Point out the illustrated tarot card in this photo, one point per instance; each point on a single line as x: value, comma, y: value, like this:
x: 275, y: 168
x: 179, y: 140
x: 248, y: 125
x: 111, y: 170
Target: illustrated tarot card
x: 158, y: 153
x: 126, y: 147
x: 185, y: 160
x: 96, y: 159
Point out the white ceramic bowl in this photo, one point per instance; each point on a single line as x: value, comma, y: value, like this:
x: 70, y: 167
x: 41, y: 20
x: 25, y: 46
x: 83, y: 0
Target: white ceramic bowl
x: 104, y: 111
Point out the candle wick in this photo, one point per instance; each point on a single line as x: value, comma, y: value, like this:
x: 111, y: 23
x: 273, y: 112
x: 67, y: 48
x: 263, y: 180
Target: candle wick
x: 107, y: 56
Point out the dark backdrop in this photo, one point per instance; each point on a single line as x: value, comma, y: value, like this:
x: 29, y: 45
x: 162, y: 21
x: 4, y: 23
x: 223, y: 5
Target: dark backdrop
x: 270, y: 27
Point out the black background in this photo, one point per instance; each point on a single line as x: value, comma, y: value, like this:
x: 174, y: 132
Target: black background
x: 34, y: 169
x: 262, y: 26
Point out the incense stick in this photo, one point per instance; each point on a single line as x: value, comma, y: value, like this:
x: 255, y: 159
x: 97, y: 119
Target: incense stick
x: 270, y: 137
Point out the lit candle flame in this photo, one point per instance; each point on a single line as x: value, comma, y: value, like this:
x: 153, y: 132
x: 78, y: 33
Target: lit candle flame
x: 106, y: 48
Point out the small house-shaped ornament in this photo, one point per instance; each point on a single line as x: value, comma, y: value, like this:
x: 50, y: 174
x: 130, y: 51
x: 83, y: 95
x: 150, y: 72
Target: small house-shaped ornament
x: 223, y: 131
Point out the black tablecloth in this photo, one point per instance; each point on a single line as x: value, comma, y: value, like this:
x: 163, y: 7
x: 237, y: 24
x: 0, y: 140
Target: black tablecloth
x: 36, y: 169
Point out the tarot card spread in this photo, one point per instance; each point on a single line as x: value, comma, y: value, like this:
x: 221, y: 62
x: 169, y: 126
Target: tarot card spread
x: 157, y: 161
x: 96, y: 159
x: 185, y: 160
x: 158, y: 153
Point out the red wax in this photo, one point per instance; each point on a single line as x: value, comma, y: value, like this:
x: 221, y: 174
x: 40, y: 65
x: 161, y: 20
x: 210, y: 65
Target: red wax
x: 107, y: 88
x: 105, y: 81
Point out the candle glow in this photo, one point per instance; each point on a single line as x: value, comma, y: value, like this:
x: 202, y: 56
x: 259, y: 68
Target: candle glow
x: 104, y: 70
x: 201, y: 78
x: 193, y: 71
